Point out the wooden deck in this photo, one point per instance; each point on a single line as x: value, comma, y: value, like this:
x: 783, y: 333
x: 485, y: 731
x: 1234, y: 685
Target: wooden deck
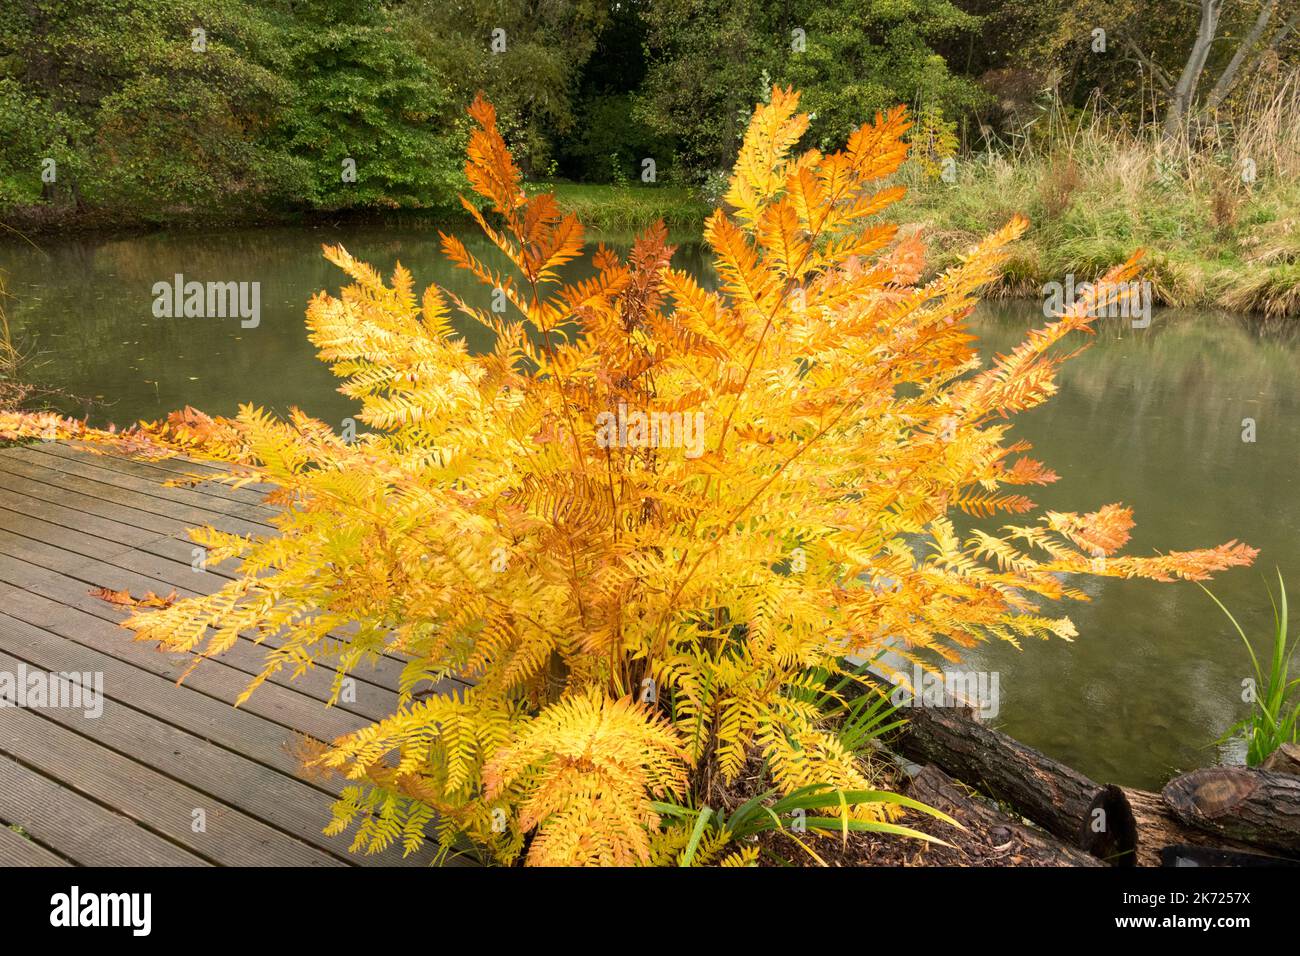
x: 126, y: 787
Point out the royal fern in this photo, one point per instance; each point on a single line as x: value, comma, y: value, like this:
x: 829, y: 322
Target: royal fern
x: 639, y: 622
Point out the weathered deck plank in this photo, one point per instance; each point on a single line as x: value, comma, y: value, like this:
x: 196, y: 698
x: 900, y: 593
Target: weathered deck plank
x: 162, y: 470
x: 155, y: 506
x: 204, y: 826
x: 121, y: 788
x: 98, y: 473
x: 277, y: 703
x: 49, y: 572
x: 87, y: 832
x: 91, y: 505
x: 171, y: 543
x: 19, y: 850
x: 231, y: 778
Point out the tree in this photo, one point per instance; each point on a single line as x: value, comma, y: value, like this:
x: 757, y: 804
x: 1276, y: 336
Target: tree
x: 203, y: 108
x: 153, y: 113
x: 374, y: 122
x: 852, y: 58
x: 1266, y: 35
x: 609, y: 138
x: 706, y: 62
x: 37, y: 155
x: 1175, y: 51
x: 526, y: 54
x: 864, y: 56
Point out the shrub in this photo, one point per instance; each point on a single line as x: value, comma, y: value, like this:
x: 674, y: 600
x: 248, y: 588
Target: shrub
x: 649, y: 606
x: 23, y: 128
x: 362, y: 95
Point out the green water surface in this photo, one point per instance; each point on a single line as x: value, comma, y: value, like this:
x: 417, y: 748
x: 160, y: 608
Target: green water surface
x: 1150, y: 417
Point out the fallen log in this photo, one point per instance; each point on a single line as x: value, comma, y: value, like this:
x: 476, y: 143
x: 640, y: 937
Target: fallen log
x: 1085, y: 814
x: 1156, y: 828
x: 999, y: 840
x: 1286, y: 759
x: 1121, y: 825
x: 1258, y: 807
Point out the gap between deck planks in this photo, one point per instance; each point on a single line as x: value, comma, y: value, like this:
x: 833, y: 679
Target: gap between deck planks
x: 126, y: 787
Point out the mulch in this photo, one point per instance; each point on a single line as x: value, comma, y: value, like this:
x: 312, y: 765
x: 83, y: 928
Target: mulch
x: 991, y: 838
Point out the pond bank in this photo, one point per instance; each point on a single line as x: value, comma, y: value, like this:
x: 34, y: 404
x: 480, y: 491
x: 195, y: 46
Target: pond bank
x: 1234, y: 250
x: 1220, y: 221
x: 1238, y: 251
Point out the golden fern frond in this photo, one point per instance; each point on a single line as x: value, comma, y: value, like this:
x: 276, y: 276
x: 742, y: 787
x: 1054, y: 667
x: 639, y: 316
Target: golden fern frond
x: 760, y: 166
x: 585, y: 769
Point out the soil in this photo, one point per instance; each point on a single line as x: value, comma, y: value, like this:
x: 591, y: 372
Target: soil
x: 984, y: 843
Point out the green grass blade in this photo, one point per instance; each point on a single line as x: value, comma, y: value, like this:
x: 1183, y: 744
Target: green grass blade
x: 693, y: 844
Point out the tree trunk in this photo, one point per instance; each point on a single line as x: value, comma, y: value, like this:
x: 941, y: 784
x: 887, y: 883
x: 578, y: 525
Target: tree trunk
x: 1222, y: 810
x: 1259, y: 807
x: 1031, y: 847
x: 1062, y: 801
x: 1227, y: 79
x: 1184, y: 93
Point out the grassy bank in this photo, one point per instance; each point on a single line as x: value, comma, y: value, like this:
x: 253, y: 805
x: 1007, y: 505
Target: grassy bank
x: 628, y: 209
x: 1218, y: 214
x: 602, y: 209
x: 1220, y: 217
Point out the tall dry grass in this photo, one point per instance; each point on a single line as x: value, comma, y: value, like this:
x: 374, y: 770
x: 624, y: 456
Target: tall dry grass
x: 1217, y: 208
x: 15, y: 392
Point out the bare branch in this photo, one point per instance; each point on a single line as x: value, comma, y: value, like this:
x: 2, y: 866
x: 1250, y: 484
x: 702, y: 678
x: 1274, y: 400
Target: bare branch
x: 1228, y: 79
x: 1158, y: 74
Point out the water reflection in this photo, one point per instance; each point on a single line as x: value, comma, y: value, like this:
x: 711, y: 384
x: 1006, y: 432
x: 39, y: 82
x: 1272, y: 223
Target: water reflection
x: 1150, y: 417
x: 1154, y: 418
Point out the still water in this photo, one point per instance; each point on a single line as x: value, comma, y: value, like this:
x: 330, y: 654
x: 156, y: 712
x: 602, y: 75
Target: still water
x: 1150, y: 417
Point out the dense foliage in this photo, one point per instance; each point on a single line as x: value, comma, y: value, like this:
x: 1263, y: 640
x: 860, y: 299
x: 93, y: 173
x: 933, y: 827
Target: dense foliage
x: 364, y: 96
x: 852, y: 58
x: 214, y: 108
x: 650, y: 528
x: 138, y: 122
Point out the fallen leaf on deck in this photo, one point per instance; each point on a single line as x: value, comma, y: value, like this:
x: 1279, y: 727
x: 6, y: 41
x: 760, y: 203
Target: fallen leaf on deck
x: 124, y: 599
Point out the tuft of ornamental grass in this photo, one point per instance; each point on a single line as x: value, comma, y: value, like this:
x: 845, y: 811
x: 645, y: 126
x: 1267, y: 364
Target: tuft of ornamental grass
x: 1274, y: 715
x: 1273, y: 291
x: 13, y: 391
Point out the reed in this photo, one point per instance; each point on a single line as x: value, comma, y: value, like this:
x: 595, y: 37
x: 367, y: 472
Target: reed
x: 1274, y: 713
x: 12, y: 390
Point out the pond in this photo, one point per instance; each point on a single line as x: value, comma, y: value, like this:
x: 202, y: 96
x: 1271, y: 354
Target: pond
x: 1151, y: 417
